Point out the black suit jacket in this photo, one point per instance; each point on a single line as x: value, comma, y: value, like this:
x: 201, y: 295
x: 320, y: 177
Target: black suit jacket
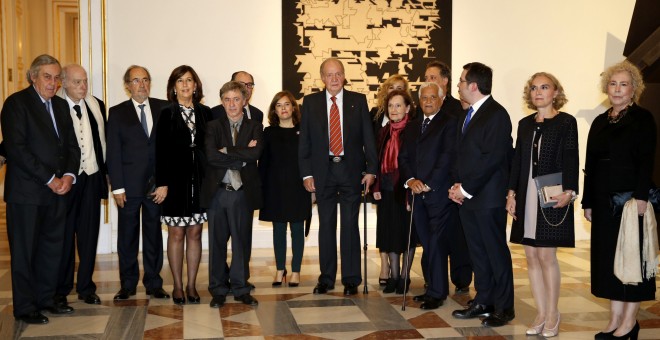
x: 36, y: 150
x: 256, y: 114
x: 484, y: 156
x: 218, y: 136
x: 429, y: 157
x: 358, y: 137
x: 130, y: 154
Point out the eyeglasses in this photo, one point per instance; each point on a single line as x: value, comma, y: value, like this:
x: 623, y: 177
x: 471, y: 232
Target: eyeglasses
x: 136, y: 81
x: 463, y: 81
x: 248, y: 85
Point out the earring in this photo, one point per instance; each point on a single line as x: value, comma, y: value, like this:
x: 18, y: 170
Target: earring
x: 553, y: 100
x: 175, y: 92
x: 194, y: 92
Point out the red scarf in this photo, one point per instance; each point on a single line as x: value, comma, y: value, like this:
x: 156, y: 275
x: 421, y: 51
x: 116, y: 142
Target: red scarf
x: 389, y: 163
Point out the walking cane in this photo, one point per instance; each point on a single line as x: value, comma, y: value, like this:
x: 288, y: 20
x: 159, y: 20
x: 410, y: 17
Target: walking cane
x: 407, y: 271
x: 364, y: 201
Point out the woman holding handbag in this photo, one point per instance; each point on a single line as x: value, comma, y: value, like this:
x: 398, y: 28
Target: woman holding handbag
x: 620, y: 156
x: 547, y: 143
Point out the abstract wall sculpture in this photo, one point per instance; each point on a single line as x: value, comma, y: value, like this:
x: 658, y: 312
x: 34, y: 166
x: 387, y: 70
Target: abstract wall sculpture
x: 374, y: 39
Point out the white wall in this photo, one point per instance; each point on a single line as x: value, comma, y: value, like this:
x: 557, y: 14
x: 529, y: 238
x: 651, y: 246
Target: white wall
x: 574, y: 40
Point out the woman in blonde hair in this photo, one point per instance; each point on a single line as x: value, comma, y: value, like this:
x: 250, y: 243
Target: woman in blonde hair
x: 547, y: 143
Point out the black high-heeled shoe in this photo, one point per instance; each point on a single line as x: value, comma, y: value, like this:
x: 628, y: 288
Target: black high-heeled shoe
x: 192, y: 298
x: 176, y: 300
x: 283, y: 280
x: 632, y: 335
x: 294, y: 284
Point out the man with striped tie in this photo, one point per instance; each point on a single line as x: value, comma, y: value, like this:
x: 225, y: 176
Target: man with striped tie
x: 337, y: 155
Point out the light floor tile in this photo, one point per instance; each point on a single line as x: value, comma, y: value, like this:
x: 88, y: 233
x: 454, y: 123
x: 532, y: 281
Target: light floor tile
x: 324, y: 315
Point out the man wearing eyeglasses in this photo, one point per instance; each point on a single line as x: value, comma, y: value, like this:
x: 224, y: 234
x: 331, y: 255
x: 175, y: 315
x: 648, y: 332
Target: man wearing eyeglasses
x: 131, y: 148
x: 249, y: 111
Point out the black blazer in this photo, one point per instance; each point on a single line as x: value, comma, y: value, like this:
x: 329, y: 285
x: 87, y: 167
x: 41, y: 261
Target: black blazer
x: 98, y: 148
x: 358, y: 137
x: 631, y: 145
x: 36, y: 150
x: 484, y: 156
x: 130, y: 153
x: 429, y: 157
x: 218, y: 136
x: 256, y: 114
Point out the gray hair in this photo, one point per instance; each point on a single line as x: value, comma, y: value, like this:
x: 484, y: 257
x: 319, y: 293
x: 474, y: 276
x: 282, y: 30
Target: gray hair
x: 427, y: 84
x: 233, y: 86
x: 39, y: 61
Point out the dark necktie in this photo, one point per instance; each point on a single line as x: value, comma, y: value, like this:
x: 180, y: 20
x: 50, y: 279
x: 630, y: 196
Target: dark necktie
x: 467, y: 118
x: 78, y: 112
x: 52, y: 117
x: 425, y: 124
x: 336, y: 146
x: 143, y: 119
x: 234, y: 175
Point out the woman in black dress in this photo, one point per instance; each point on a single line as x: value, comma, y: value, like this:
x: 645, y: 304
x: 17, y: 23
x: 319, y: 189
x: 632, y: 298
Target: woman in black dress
x: 620, y: 155
x: 392, y: 216
x: 285, y: 197
x: 380, y: 119
x: 180, y: 162
x: 547, y: 143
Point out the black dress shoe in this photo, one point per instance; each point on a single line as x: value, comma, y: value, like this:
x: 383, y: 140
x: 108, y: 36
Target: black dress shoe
x: 247, y: 299
x: 499, y: 318
x: 462, y: 290
x: 158, y: 293
x: 350, y: 289
x: 475, y: 310
x: 59, y: 309
x: 90, y: 299
x: 420, y: 298
x: 322, y: 288
x: 431, y: 303
x: 249, y: 284
x: 124, y: 294
x: 218, y: 301
x: 34, y: 318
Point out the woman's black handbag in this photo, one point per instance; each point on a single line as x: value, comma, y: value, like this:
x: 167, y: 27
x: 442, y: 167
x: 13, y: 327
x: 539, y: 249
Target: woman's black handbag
x: 619, y: 199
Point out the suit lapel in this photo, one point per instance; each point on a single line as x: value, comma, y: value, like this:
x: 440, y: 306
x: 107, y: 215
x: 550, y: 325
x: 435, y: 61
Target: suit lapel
x: 40, y: 106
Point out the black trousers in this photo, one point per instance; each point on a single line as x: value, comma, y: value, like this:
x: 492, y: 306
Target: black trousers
x: 229, y: 217
x: 434, y: 222
x: 83, y: 218
x: 339, y: 188
x: 128, y: 238
x: 460, y: 267
x: 36, y: 237
x: 485, y: 232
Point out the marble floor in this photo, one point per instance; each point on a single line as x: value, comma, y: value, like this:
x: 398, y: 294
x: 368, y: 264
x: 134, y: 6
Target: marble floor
x: 295, y: 313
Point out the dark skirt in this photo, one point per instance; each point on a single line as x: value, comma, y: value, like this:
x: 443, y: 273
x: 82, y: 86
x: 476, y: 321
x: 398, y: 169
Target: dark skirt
x: 604, y: 236
x: 392, y: 226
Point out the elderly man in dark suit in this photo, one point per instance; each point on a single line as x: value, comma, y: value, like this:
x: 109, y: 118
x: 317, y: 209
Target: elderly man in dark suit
x: 231, y: 192
x: 249, y: 111
x: 131, y: 166
x: 44, y: 160
x: 337, y: 155
x: 84, y: 201
x: 426, y: 157
x: 482, y: 170
x: 460, y: 267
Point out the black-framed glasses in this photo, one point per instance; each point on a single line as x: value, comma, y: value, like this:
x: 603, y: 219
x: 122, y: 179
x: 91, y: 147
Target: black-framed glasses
x: 248, y: 85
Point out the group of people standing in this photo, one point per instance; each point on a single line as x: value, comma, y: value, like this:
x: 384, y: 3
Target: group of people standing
x: 466, y: 146
x: 443, y: 174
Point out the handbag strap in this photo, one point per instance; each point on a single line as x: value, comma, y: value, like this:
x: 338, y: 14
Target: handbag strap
x: 563, y: 218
